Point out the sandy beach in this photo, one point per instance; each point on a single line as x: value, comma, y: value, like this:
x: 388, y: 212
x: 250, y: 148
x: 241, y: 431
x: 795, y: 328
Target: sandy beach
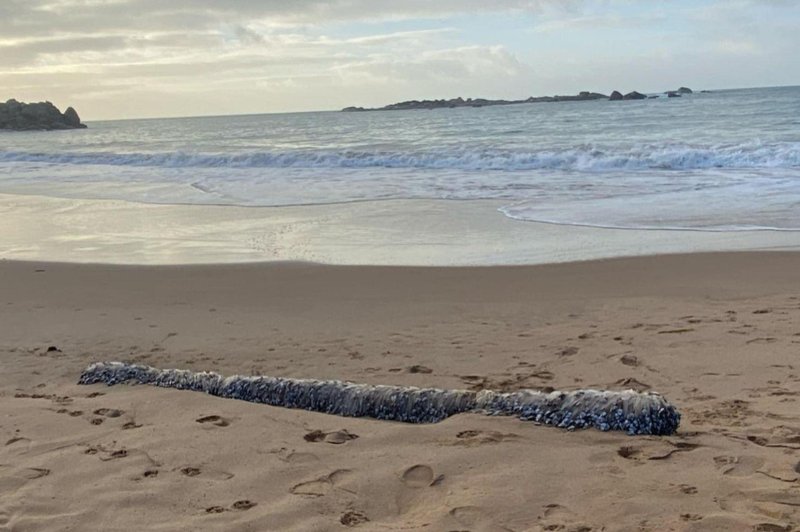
x: 716, y: 333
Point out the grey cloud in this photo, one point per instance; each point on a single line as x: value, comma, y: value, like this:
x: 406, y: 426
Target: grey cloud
x: 36, y: 17
x: 151, y: 57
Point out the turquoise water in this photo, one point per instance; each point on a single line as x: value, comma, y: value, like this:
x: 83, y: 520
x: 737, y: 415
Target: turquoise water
x: 721, y: 161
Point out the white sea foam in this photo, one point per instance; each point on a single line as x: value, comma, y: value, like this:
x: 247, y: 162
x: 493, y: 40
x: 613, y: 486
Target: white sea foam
x: 580, y: 159
x: 729, y: 160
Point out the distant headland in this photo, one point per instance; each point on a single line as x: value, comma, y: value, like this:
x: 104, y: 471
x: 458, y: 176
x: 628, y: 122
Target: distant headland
x: 482, y: 102
x: 18, y: 116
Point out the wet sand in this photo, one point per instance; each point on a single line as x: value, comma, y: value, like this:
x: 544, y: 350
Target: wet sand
x: 391, y: 232
x: 718, y: 334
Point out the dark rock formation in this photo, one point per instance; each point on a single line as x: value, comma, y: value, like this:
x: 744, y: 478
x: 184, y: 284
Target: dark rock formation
x: 583, y: 96
x: 478, y: 102
x: 71, y: 118
x: 19, y: 116
x: 482, y: 102
x: 678, y: 93
x: 634, y: 96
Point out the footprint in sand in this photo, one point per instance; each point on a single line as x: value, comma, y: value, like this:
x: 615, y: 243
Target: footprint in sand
x: 353, y: 518
x: 218, y: 421
x: 412, y: 493
x: 312, y: 488
x: 337, y: 437
x: 772, y: 527
x: 468, y: 515
x: 243, y: 505
x: 480, y: 437
x: 567, y: 351
x: 115, y: 455
x: 108, y: 412
x: 655, y: 450
x: 773, y: 504
x: 300, y: 458
x: 210, y: 474
x: 190, y: 471
x: 322, y: 485
x: 558, y: 517
x: 738, y: 466
x: 418, y: 476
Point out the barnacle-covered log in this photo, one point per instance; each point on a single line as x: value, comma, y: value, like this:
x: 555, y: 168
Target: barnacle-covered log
x: 629, y: 411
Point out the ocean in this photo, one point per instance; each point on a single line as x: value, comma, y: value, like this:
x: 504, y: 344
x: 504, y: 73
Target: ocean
x: 720, y: 161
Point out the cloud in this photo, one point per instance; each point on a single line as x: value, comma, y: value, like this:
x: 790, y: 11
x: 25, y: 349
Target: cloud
x: 178, y: 57
x: 40, y: 17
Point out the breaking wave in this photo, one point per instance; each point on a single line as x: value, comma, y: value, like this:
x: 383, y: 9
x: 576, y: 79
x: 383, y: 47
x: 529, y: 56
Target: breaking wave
x: 581, y: 159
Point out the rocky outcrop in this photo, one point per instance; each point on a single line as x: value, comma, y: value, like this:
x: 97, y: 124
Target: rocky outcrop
x: 477, y: 102
x: 481, y: 102
x: 19, y: 116
x: 582, y: 96
x: 678, y: 93
x: 635, y: 96
x: 72, y: 119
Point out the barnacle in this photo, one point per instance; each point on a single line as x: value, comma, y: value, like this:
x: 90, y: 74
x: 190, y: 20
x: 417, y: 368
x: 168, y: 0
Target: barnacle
x: 629, y: 411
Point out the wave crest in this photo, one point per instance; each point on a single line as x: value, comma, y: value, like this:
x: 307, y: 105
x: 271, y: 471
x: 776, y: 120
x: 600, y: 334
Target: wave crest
x: 580, y: 159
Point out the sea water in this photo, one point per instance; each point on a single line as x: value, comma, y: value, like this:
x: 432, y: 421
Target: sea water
x: 719, y: 161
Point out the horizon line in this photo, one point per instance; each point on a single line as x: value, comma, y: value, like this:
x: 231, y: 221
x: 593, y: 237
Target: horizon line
x: 260, y: 113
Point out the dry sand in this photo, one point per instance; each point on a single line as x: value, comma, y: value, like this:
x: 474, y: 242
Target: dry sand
x: 716, y: 333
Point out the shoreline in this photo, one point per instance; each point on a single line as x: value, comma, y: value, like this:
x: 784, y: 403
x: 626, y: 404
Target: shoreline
x: 715, y: 333
x: 386, y: 232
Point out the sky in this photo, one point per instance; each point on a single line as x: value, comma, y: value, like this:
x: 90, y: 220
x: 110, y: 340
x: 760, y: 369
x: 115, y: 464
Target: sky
x: 152, y: 58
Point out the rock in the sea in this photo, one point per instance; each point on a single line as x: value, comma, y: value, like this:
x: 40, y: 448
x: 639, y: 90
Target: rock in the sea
x: 616, y: 96
x: 71, y: 117
x: 684, y: 90
x: 19, y: 116
x: 673, y: 94
x: 634, y: 96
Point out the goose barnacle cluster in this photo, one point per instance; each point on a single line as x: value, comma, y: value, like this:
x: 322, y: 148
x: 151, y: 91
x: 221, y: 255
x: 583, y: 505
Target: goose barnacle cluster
x: 629, y: 411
